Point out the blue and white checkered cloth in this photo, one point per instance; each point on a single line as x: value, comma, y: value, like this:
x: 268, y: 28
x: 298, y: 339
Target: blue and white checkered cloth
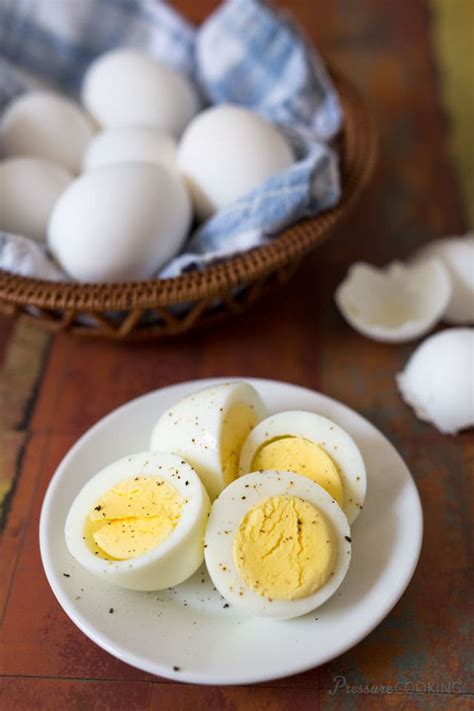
x: 244, y: 53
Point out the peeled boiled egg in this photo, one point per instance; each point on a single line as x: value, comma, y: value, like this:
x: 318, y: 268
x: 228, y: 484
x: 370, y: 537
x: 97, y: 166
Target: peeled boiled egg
x: 45, y: 125
x: 312, y: 446
x: 128, y: 88
x: 277, y: 545
x: 139, y: 523
x: 396, y: 303
x: 457, y: 255
x: 225, y: 152
x: 438, y: 380
x: 208, y: 429
x: 29, y: 188
x: 130, y: 143
x: 121, y: 222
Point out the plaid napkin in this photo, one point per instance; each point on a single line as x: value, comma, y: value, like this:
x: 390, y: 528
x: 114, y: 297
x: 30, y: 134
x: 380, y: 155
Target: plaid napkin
x: 244, y: 53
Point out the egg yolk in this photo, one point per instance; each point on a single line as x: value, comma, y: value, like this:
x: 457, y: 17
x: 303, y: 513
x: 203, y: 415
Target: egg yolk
x: 239, y: 420
x: 284, y: 548
x: 133, y: 517
x: 301, y: 456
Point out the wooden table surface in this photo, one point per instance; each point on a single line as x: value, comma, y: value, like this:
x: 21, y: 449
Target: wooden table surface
x: 53, y: 388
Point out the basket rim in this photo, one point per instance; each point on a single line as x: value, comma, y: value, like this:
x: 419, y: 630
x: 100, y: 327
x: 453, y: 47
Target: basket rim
x: 231, y: 273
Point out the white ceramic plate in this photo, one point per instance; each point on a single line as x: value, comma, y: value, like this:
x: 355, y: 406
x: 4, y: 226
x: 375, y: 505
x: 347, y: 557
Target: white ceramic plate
x: 186, y: 633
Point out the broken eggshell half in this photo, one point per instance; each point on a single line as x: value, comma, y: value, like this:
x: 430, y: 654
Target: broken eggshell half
x: 457, y: 255
x: 395, y: 303
x: 438, y: 380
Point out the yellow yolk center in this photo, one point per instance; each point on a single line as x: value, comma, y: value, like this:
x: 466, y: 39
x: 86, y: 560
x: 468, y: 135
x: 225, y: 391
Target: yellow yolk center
x: 239, y: 420
x: 133, y: 517
x: 301, y: 456
x: 284, y: 548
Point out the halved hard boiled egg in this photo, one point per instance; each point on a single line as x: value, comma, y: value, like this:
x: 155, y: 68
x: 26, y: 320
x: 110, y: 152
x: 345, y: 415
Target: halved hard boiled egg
x: 208, y: 429
x: 139, y: 523
x: 277, y: 545
x: 311, y: 445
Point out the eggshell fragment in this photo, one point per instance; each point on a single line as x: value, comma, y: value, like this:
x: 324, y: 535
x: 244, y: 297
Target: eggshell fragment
x: 128, y: 88
x: 45, y: 125
x: 438, y: 380
x: 29, y: 188
x: 457, y: 255
x: 132, y: 143
x: 227, y: 151
x: 119, y: 223
x: 397, y: 303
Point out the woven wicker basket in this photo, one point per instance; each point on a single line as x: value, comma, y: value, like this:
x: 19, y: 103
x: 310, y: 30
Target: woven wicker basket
x: 157, y: 308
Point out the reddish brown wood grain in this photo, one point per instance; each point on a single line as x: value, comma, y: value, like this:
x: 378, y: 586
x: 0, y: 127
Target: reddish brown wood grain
x: 295, y: 335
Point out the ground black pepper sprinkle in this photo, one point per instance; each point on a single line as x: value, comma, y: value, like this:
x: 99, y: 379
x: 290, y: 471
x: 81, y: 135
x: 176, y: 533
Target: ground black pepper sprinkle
x: 66, y: 575
x: 98, y: 508
x: 226, y: 605
x: 111, y: 610
x: 176, y: 668
x: 349, y: 540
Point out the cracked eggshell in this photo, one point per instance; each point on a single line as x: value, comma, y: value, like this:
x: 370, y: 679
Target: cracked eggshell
x: 438, y: 380
x: 457, y: 255
x: 396, y: 303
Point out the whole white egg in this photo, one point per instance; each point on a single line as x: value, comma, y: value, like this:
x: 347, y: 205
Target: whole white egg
x: 438, y: 380
x: 29, y: 189
x: 167, y: 528
x: 457, y: 255
x: 277, y: 545
x: 225, y: 152
x: 128, y: 88
x: 208, y: 429
x: 313, y: 446
x: 131, y: 143
x: 119, y: 223
x: 46, y: 125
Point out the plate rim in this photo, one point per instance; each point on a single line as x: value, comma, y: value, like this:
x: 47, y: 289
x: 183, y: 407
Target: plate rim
x: 207, y: 678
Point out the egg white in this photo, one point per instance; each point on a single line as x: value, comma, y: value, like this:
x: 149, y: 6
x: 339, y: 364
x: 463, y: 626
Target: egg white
x: 226, y: 515
x: 170, y: 562
x: 192, y: 428
x: 330, y: 437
